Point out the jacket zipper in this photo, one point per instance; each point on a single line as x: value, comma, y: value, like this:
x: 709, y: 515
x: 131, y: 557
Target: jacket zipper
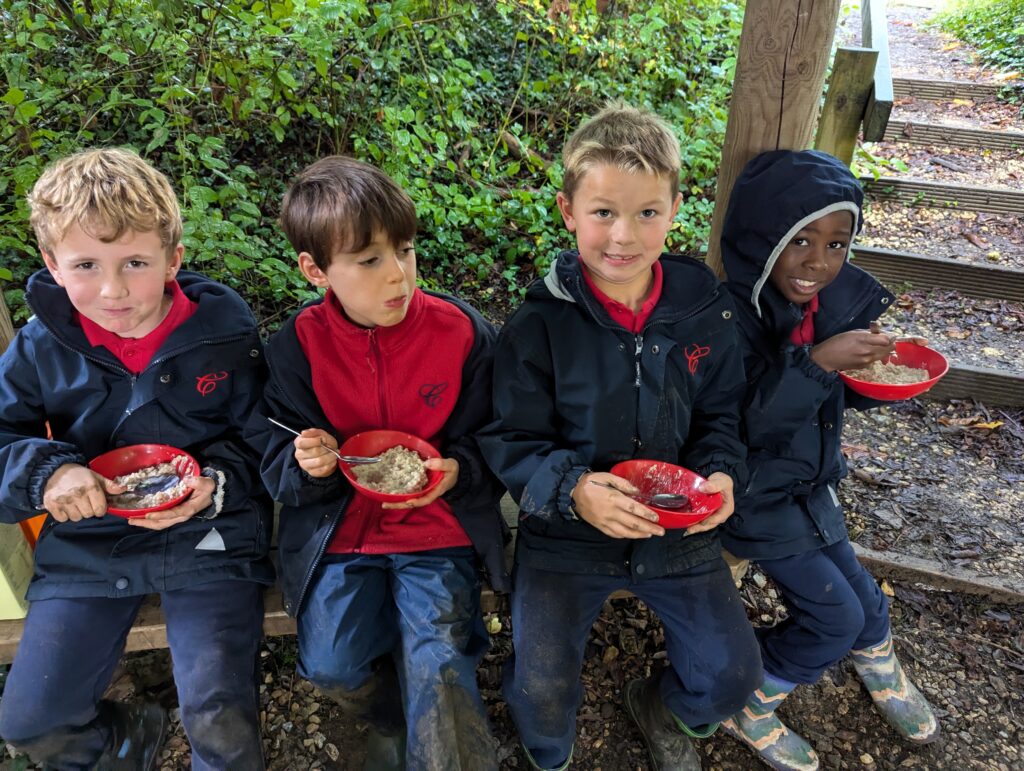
x: 320, y: 554
x: 378, y: 364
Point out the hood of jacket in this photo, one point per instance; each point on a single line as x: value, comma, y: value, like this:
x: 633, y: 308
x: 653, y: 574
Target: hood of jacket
x: 775, y: 196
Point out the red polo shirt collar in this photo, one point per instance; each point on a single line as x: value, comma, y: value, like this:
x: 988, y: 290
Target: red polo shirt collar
x: 622, y: 315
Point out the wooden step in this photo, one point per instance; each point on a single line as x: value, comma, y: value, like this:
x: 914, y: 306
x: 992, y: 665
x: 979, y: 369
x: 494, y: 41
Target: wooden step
x: 987, y: 282
x: 918, y: 133
x: 991, y: 387
x: 919, y: 192
x: 945, y: 90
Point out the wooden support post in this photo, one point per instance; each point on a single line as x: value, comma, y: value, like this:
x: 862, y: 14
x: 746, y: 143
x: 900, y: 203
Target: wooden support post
x: 780, y: 71
x: 6, y: 326
x: 848, y: 90
x: 874, y: 34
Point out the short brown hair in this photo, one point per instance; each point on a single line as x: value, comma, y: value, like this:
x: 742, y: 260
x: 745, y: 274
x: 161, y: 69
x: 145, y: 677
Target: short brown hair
x: 339, y: 203
x: 106, y: 192
x: 631, y: 139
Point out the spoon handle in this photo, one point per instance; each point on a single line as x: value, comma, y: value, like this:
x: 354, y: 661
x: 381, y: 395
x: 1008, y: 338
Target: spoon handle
x: 293, y: 431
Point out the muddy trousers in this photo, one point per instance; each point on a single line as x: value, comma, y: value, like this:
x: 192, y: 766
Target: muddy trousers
x: 51, y: 707
x: 834, y: 606
x: 711, y: 649
x: 395, y: 639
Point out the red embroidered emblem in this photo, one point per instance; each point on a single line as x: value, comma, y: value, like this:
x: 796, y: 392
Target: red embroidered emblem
x: 695, y: 353
x: 205, y: 384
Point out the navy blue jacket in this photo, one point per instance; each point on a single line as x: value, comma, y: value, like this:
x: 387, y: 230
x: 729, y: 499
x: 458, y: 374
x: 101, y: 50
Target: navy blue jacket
x: 574, y: 391
x: 51, y: 373
x: 793, y: 409
x: 312, y: 508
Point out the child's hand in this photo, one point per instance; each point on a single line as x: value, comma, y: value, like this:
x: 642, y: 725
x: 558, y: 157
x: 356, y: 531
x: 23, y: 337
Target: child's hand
x: 202, y: 496
x: 852, y: 350
x: 717, y: 483
x: 612, y: 511
x: 312, y: 453
x: 449, y: 466
x: 74, y: 493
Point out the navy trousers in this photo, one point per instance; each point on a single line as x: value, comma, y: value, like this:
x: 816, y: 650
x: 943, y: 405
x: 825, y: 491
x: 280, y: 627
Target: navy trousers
x: 834, y: 605
x: 69, y: 648
x: 711, y: 648
x: 395, y: 639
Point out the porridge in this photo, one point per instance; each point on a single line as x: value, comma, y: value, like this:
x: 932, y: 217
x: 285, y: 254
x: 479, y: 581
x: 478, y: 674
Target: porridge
x: 888, y: 373
x: 400, y: 471
x: 150, y: 486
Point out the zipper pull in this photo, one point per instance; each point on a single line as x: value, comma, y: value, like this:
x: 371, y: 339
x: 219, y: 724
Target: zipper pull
x: 639, y: 350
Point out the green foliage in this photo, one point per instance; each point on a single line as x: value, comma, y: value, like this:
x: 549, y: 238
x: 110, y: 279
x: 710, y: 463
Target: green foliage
x: 465, y: 104
x: 994, y: 27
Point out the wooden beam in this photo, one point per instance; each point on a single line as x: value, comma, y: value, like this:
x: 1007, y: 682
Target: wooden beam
x: 944, y: 90
x: 6, y: 326
x: 982, y: 384
x: 914, y: 132
x: 920, y: 192
x: 849, y: 87
x: 780, y: 70
x: 874, y: 34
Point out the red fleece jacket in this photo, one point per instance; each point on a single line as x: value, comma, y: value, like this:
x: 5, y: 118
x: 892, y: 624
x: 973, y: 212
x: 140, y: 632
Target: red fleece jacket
x: 407, y: 378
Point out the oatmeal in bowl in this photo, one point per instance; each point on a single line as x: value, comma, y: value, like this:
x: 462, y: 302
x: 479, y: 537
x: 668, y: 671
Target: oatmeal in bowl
x: 400, y: 474
x: 911, y: 370
x: 153, y: 475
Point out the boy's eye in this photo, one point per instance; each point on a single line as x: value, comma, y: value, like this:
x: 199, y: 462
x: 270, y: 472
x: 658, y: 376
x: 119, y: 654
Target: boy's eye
x: 837, y: 245
x: 799, y: 241
x: 648, y: 213
x: 137, y: 263
x: 407, y: 251
x: 369, y: 261
x: 603, y: 213
x: 84, y: 266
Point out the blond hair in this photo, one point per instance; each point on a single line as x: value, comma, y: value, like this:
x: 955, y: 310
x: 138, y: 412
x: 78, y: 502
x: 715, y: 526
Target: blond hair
x: 107, y: 193
x: 631, y: 139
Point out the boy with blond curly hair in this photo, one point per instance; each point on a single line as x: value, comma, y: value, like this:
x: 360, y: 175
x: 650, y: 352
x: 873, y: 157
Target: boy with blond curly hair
x: 125, y: 348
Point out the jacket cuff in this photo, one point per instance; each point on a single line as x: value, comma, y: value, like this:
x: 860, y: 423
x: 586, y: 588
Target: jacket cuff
x: 737, y: 471
x: 468, y: 476
x: 44, y: 470
x: 564, y: 501
x: 217, y: 499
x: 801, y: 356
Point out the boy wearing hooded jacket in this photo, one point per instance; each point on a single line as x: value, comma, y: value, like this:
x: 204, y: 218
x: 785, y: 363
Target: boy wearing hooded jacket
x: 387, y: 596
x: 125, y: 348
x: 804, y: 313
x: 620, y: 352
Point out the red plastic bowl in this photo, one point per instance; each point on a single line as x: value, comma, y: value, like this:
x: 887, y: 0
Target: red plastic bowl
x: 653, y: 476
x: 373, y: 443
x: 125, y: 460
x: 909, y: 355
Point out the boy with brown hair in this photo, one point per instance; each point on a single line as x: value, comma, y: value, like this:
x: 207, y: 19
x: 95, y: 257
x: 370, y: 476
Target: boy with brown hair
x: 620, y: 352
x: 125, y: 348
x: 387, y: 596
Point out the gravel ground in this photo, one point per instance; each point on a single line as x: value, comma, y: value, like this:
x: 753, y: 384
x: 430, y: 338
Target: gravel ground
x: 941, y: 481
x: 974, y: 237
x: 967, y: 330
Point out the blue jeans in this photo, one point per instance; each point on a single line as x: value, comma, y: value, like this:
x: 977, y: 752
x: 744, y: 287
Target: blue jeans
x: 395, y: 639
x: 68, y: 651
x: 834, y: 606
x: 711, y: 648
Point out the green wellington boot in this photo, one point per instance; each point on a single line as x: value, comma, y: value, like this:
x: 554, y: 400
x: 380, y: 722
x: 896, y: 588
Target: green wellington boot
x: 894, y: 695
x: 667, y: 739
x: 757, y: 726
x: 534, y: 765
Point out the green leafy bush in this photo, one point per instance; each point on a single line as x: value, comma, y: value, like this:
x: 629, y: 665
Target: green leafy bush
x: 466, y: 104
x: 994, y: 27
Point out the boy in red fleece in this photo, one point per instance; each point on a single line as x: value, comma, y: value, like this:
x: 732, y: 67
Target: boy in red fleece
x: 378, y: 585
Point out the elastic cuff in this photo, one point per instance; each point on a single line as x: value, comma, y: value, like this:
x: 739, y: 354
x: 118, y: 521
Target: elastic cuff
x: 697, y: 732
x: 566, y: 504
x: 465, y: 481
x: 217, y: 503
x: 801, y: 356
x: 44, y: 470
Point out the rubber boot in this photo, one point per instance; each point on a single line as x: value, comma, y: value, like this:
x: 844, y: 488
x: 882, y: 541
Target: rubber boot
x: 384, y: 752
x: 533, y: 763
x: 138, y: 734
x: 667, y: 739
x: 898, y: 699
x: 757, y: 726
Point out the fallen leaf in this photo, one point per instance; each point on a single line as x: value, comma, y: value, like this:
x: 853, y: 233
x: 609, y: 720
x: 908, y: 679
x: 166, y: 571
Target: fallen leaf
x: 991, y: 351
x: 951, y: 46
x: 993, y: 425
x: 975, y: 239
x: 963, y: 102
x: 887, y: 589
x: 1006, y: 76
x: 957, y: 333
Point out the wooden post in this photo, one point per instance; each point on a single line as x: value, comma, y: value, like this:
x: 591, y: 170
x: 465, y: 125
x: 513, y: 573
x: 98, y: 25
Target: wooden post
x: 848, y: 90
x: 780, y: 71
x: 6, y: 327
x: 874, y: 34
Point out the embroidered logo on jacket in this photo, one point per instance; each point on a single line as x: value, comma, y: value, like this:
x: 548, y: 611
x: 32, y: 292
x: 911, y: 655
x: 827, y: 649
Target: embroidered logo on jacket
x: 695, y: 353
x: 431, y: 393
x: 205, y: 384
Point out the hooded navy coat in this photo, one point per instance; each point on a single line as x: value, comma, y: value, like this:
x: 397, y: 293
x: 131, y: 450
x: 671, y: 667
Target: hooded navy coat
x: 793, y: 409
x: 51, y: 373
x: 312, y: 508
x: 574, y: 391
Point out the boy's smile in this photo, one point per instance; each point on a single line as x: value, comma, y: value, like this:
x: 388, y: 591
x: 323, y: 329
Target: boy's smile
x: 118, y: 285
x: 374, y: 286
x: 814, y: 257
x: 620, y: 220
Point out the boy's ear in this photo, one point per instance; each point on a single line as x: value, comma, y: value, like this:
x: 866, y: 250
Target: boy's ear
x: 675, y: 206
x: 51, y: 265
x: 565, y: 207
x: 174, y: 261
x: 311, y: 270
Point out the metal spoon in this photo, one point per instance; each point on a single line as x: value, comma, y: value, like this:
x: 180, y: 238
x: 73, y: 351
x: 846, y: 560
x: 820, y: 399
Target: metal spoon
x: 352, y: 460
x: 661, y: 500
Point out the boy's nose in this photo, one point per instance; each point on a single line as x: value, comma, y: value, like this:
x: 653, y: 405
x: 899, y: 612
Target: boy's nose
x: 622, y: 232
x: 396, y: 271
x: 113, y: 287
